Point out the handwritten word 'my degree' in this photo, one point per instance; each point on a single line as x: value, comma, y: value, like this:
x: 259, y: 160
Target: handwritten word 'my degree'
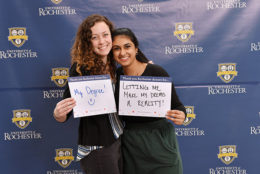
x: 135, y: 86
x: 94, y: 92
x: 78, y: 92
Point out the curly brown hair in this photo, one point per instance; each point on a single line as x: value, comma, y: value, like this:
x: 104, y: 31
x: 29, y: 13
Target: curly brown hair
x: 82, y: 50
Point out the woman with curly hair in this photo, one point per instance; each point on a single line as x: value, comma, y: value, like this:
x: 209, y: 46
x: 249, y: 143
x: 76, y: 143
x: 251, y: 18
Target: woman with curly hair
x: 98, y: 140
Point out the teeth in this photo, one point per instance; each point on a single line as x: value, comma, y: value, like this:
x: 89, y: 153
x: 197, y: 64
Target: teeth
x: 101, y: 48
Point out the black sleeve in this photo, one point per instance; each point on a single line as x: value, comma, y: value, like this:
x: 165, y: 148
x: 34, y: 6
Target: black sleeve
x: 176, y: 103
x: 157, y: 70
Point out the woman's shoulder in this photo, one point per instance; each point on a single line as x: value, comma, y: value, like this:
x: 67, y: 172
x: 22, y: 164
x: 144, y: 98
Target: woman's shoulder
x: 82, y: 69
x: 155, y: 66
x: 156, y: 70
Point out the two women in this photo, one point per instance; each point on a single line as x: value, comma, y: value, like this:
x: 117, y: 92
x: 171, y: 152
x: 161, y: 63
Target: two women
x: 149, y: 144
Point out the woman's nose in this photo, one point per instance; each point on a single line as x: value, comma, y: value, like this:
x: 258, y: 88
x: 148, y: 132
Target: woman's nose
x: 101, y: 40
x: 122, y: 52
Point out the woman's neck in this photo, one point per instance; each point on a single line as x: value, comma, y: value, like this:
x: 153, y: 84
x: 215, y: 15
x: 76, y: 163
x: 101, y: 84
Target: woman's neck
x: 135, y: 69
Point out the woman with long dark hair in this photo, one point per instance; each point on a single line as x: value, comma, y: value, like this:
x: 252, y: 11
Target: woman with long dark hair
x: 149, y: 144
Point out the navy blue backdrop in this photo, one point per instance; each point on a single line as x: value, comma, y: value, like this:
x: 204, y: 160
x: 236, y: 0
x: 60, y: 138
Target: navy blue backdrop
x: 210, y: 48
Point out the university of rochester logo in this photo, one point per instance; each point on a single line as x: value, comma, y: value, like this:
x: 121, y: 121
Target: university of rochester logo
x: 140, y: 7
x: 183, y: 31
x: 60, y: 76
x: 17, y: 35
x: 227, y: 72
x: 227, y: 153
x: 56, y: 1
x: 56, y: 10
x: 190, y: 115
x: 226, y: 4
x: 22, y: 118
x: 64, y: 157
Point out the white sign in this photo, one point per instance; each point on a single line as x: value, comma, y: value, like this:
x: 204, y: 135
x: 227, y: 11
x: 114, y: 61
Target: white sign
x: 93, y: 94
x: 144, y: 96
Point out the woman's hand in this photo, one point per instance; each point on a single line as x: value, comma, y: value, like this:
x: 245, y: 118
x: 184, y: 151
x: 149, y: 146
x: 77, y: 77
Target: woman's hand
x: 176, y: 116
x: 63, y: 108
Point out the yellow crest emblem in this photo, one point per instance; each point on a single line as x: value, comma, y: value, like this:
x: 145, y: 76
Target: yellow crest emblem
x: 56, y: 1
x: 190, y: 115
x: 227, y: 153
x: 183, y: 31
x: 22, y: 118
x: 60, y: 76
x: 64, y: 157
x: 17, y: 36
x: 227, y: 72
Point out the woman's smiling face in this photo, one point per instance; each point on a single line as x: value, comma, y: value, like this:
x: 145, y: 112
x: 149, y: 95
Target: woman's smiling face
x: 124, y: 50
x: 101, y: 39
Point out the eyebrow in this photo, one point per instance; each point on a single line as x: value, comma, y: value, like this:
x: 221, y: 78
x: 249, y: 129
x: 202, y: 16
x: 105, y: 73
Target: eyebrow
x: 100, y: 33
x: 124, y: 44
x: 115, y: 46
x: 128, y: 44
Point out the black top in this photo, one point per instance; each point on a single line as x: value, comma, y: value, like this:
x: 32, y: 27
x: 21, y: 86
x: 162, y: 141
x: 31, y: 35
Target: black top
x: 150, y: 70
x: 93, y: 130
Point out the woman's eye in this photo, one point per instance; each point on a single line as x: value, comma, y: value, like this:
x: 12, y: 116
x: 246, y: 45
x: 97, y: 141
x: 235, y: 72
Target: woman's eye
x: 127, y: 46
x: 115, y: 48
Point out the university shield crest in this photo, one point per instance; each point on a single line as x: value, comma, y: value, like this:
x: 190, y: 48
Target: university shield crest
x: 227, y: 153
x: 60, y: 76
x: 56, y: 1
x: 22, y: 118
x: 190, y: 115
x: 183, y: 31
x: 64, y: 157
x: 17, y: 36
x: 227, y: 72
